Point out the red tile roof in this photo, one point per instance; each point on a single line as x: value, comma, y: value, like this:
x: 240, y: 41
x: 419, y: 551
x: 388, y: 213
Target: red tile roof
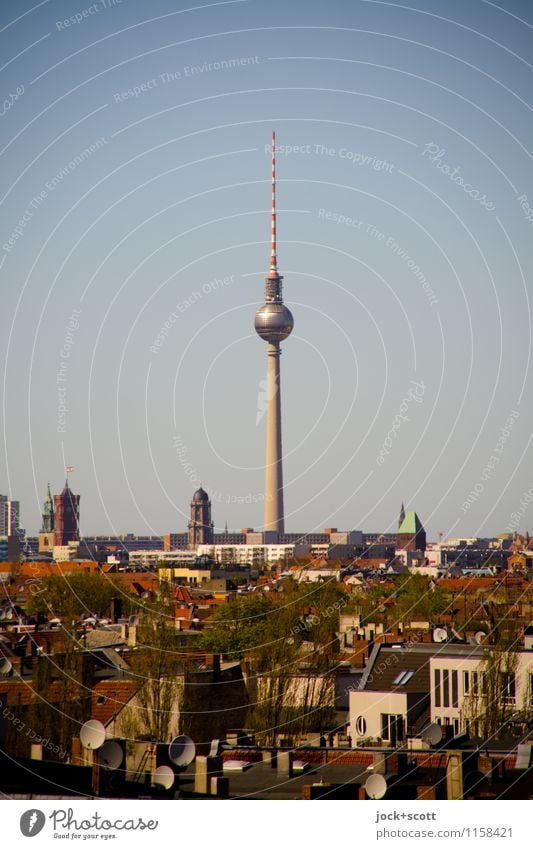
x: 109, y: 697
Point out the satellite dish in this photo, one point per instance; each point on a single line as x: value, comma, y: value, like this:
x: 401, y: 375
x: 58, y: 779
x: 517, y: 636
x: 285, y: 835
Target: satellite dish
x: 111, y: 755
x: 182, y: 751
x: 376, y: 786
x: 163, y: 777
x: 5, y: 666
x: 92, y: 734
x: 432, y: 733
x: 479, y: 636
x: 133, y: 620
x: 440, y: 635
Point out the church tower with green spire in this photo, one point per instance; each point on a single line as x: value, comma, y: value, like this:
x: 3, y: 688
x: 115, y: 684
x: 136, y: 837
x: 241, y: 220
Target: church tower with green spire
x: 411, y: 534
x: 46, y: 535
x: 48, y: 514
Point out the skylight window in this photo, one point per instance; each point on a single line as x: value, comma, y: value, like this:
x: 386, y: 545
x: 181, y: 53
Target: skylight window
x: 404, y: 676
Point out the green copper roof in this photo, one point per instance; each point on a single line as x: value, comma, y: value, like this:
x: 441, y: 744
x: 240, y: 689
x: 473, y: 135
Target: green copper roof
x: 411, y: 524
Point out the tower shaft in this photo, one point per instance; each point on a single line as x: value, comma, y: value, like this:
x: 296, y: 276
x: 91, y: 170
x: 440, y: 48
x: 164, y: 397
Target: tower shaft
x: 274, y: 513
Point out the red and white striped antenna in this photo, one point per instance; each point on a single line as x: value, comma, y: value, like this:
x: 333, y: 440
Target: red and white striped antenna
x: 273, y: 257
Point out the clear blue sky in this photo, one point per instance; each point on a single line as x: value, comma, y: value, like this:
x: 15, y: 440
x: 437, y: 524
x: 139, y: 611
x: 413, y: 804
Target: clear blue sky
x: 135, y: 163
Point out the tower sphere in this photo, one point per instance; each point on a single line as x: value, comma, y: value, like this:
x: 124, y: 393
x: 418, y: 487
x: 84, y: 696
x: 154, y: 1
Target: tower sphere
x: 274, y: 322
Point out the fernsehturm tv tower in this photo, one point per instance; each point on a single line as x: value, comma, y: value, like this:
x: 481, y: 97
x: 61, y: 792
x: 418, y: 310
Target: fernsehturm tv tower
x: 273, y: 323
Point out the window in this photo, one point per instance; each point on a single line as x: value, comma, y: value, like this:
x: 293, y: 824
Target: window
x: 474, y: 683
x: 508, y: 688
x: 466, y: 682
x: 392, y: 727
x: 404, y: 676
x: 455, y: 689
x: 437, y: 687
x: 445, y: 688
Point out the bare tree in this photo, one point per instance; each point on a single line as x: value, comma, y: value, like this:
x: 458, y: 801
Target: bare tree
x: 491, y: 700
x: 159, y: 670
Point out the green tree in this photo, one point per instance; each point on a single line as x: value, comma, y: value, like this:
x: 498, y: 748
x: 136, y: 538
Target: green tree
x: 290, y: 667
x: 418, y: 597
x: 289, y: 644
x: 404, y: 599
x: 77, y: 593
x: 238, y: 627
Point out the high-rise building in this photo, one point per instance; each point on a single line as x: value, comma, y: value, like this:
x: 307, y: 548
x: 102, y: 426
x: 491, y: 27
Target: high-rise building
x: 9, y: 549
x: 200, y: 525
x: 9, y: 516
x: 9, y: 529
x: 67, y: 516
x: 273, y: 323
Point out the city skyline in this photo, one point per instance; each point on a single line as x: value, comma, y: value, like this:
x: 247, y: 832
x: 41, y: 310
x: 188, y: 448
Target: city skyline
x: 48, y: 520
x: 135, y: 226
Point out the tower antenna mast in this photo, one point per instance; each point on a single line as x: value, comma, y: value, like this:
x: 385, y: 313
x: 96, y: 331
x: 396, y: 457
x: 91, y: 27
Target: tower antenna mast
x: 273, y: 249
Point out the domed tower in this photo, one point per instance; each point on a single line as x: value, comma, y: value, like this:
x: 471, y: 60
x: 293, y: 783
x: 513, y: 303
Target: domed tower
x: 273, y: 323
x: 200, y: 525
